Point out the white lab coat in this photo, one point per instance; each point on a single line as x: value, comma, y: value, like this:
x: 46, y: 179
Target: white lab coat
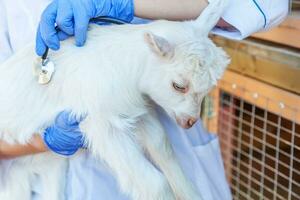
x: 197, y: 150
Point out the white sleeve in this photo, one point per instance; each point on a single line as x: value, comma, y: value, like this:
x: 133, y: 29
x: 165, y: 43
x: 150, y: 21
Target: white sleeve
x: 250, y: 16
x: 5, y: 47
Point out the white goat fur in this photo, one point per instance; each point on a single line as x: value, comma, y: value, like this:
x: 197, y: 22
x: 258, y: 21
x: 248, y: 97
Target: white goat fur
x: 113, y: 78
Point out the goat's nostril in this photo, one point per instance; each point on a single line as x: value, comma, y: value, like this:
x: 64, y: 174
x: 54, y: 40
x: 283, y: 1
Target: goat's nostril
x: 191, y: 121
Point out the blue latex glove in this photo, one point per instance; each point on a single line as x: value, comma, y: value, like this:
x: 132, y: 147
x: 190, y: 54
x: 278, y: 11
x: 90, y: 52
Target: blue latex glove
x: 72, y: 18
x: 64, y: 136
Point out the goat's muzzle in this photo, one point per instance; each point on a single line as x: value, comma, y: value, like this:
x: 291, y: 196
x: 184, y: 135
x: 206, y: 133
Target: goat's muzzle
x: 186, y: 123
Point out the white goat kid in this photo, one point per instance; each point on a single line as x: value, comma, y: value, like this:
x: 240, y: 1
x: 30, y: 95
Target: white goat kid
x: 114, y: 79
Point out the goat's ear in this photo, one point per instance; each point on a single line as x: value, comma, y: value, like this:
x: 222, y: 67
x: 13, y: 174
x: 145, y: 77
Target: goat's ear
x: 209, y: 17
x: 159, y: 45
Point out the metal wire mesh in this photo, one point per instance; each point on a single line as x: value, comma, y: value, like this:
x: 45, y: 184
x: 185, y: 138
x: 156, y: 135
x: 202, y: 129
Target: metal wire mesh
x: 260, y: 148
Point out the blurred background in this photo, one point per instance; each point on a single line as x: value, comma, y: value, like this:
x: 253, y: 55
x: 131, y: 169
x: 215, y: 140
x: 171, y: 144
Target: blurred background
x: 255, y: 110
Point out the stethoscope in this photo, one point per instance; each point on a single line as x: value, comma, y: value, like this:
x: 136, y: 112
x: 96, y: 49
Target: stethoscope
x: 46, y: 68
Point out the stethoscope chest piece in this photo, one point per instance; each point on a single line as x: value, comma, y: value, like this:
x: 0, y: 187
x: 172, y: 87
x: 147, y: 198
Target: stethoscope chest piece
x: 45, y: 71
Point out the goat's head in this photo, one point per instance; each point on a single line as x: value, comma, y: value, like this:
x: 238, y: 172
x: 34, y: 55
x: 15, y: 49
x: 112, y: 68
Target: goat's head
x: 181, y: 75
x: 186, y: 71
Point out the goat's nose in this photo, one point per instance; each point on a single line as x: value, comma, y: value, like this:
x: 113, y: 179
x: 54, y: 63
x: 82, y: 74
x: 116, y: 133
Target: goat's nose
x: 191, y: 122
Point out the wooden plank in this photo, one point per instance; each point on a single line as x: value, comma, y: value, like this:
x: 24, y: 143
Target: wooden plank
x: 281, y: 35
x: 268, y: 97
x: 291, y: 23
x: 272, y: 64
x: 288, y: 33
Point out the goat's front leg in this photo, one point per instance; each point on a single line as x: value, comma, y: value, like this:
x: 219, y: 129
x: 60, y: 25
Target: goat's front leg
x: 160, y: 150
x: 119, y: 149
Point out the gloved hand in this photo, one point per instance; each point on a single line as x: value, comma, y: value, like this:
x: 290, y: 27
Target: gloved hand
x: 72, y: 18
x: 64, y: 136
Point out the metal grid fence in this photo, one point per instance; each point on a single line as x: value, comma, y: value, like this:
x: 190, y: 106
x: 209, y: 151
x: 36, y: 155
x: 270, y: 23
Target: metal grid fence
x: 260, y: 148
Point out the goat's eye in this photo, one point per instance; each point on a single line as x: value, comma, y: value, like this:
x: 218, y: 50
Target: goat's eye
x: 180, y: 88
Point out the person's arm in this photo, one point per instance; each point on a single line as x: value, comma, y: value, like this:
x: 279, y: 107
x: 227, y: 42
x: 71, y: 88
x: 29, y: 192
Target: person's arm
x: 36, y: 145
x: 169, y: 9
x: 174, y: 10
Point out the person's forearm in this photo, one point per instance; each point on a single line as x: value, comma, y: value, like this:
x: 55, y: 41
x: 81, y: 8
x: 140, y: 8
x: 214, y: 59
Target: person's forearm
x: 36, y: 145
x: 169, y: 9
x: 174, y: 10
